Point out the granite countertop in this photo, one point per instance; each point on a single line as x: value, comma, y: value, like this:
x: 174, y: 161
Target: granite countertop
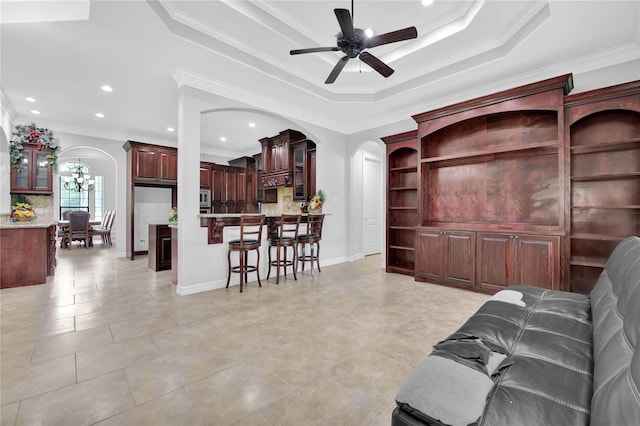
x: 25, y: 225
x: 224, y: 215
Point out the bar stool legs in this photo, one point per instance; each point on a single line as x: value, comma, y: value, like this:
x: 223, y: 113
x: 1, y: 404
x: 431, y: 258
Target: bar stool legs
x: 250, y: 239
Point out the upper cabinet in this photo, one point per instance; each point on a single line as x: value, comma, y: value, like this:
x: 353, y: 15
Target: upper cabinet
x: 36, y: 174
x: 152, y: 164
x: 303, y: 165
x: 279, y: 162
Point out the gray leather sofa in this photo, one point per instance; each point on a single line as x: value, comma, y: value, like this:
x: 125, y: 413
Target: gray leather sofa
x: 531, y: 356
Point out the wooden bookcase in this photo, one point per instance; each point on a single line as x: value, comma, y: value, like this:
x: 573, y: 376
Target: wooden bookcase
x: 402, y: 201
x: 491, y: 173
x: 603, y: 130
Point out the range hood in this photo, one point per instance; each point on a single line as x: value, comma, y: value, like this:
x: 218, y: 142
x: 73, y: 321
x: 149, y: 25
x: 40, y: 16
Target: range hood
x: 276, y: 159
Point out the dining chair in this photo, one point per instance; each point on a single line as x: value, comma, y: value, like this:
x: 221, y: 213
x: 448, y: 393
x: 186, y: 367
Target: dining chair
x: 104, y: 230
x: 78, y: 229
x: 287, y: 237
x: 250, y: 239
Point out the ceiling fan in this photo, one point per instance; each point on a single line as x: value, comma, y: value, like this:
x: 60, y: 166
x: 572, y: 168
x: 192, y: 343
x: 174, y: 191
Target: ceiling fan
x: 352, y: 41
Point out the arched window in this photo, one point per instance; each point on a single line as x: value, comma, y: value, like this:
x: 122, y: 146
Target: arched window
x: 76, y: 197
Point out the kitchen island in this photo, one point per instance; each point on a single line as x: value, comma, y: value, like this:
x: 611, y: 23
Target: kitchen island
x: 27, y: 252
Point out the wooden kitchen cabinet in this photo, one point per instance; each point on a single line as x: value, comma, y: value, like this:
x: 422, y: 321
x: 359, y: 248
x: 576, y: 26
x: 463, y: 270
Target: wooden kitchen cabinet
x: 27, y: 255
x: 36, y: 176
x: 152, y: 164
x: 516, y: 259
x: 159, y: 247
x: 446, y: 257
x: 229, y: 189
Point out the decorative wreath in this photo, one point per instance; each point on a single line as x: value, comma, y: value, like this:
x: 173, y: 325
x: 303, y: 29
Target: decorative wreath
x: 31, y: 134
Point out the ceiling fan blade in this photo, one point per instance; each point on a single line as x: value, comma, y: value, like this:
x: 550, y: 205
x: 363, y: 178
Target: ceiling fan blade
x: 346, y: 23
x: 336, y: 70
x: 314, y: 50
x: 375, y: 63
x: 392, y: 37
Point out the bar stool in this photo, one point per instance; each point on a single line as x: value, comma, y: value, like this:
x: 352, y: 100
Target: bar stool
x: 312, y: 236
x: 287, y: 237
x: 250, y: 239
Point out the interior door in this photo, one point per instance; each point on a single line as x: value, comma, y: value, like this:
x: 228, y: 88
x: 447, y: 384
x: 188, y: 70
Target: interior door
x: 372, y: 204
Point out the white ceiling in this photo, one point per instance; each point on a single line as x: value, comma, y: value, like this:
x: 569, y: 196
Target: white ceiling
x: 61, y: 52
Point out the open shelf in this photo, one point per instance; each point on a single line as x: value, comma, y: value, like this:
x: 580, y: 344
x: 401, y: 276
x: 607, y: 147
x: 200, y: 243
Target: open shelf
x: 588, y: 262
x: 596, y: 237
x: 404, y: 169
x: 618, y: 207
x: 472, y: 154
x: 605, y: 177
x: 607, y: 145
x: 404, y: 188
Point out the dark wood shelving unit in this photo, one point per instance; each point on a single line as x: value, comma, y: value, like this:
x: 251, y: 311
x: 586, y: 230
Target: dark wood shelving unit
x: 402, y: 202
x: 492, y: 175
x: 603, y: 133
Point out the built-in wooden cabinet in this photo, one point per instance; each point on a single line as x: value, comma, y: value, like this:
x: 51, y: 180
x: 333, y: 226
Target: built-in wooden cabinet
x: 159, y: 247
x: 603, y: 130
x: 446, y: 257
x: 491, y: 184
x: 402, y: 202
x: 229, y: 189
x: 517, y: 259
x: 36, y: 174
x: 148, y: 165
x: 152, y: 164
x: 205, y: 176
x: 27, y: 255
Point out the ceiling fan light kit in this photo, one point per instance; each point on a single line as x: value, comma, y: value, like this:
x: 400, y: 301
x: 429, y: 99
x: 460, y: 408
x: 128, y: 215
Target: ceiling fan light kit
x: 353, y: 41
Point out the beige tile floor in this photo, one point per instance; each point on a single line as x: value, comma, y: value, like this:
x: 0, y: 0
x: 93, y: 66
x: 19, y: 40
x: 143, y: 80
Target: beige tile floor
x: 107, y: 341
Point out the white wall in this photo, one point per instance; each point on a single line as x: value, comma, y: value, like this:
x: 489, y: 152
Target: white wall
x: 152, y: 205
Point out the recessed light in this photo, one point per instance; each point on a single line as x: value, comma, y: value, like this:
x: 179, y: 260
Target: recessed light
x: 170, y: 129
x: 35, y: 111
x: 427, y: 2
x: 252, y: 124
x: 223, y: 139
x: 99, y: 115
x: 30, y: 99
x: 368, y: 32
x: 107, y: 88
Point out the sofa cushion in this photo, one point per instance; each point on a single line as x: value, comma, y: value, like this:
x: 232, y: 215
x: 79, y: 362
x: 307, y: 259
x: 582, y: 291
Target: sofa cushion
x: 615, y: 305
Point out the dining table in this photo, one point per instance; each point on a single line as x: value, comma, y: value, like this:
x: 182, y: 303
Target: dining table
x: 63, y: 224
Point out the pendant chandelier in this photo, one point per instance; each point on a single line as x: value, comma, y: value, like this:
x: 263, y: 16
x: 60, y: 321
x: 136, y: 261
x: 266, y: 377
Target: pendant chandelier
x: 79, y: 180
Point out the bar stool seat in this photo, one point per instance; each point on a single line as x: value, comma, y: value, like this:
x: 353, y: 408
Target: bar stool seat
x: 312, y: 237
x: 250, y: 226
x: 287, y: 237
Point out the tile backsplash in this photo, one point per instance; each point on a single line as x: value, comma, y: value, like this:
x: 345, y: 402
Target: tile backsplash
x: 43, y: 206
x: 285, y: 203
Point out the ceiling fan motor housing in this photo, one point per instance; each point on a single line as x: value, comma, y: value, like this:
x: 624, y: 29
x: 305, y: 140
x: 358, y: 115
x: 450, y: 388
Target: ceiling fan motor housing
x: 352, y: 47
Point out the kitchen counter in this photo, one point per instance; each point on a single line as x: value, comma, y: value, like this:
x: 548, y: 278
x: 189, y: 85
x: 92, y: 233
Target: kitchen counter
x: 30, y: 224
x: 27, y: 252
x: 215, y: 222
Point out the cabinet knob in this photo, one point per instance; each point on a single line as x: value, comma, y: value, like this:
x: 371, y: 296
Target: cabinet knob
x: 516, y: 237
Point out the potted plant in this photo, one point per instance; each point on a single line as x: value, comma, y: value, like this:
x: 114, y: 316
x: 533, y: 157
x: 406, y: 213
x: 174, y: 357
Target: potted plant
x: 316, y: 202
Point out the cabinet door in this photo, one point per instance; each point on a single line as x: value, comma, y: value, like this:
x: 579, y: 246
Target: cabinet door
x: 429, y: 255
x: 460, y: 254
x: 205, y: 177
x: 144, y: 163
x: 311, y: 173
x: 164, y: 248
x: 538, y: 261
x: 230, y: 185
x: 299, y: 172
x: 495, y: 259
x: 241, y: 187
x: 218, y: 186
x: 42, y: 173
x: 168, y: 167
x: 20, y: 179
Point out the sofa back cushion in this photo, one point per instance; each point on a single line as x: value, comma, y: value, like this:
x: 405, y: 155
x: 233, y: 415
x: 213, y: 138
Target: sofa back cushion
x: 615, y: 309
